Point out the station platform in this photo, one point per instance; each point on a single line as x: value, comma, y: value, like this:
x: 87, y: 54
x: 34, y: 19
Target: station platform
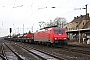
x: 78, y: 44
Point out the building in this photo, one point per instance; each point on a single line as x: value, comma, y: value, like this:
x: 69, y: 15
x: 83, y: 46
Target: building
x: 79, y: 22
x: 79, y: 28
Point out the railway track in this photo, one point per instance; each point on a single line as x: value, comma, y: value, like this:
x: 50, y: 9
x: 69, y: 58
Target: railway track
x: 80, y: 46
x: 66, y: 54
x: 8, y: 54
x: 62, y: 52
x: 41, y: 54
x: 77, y: 49
x: 3, y: 56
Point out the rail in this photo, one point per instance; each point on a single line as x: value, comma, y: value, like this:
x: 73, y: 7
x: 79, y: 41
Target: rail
x: 41, y: 54
x: 19, y: 57
x: 3, y: 56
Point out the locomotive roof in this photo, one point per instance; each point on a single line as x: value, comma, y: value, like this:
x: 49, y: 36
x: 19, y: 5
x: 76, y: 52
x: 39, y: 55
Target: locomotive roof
x: 49, y: 29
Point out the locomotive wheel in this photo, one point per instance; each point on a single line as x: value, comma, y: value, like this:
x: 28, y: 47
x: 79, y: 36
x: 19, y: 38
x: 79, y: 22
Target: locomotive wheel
x: 51, y: 45
x: 48, y: 44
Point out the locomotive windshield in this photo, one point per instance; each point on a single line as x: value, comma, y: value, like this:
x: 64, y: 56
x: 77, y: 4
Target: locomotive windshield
x: 59, y: 31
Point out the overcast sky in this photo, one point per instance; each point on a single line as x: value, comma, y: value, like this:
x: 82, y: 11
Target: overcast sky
x: 18, y: 13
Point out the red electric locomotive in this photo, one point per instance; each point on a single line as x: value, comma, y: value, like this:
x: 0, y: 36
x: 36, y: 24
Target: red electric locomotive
x: 29, y: 35
x: 28, y: 38
x: 51, y: 36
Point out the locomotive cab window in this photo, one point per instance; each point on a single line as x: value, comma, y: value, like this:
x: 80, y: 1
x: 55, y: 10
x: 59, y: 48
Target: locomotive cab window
x: 59, y: 31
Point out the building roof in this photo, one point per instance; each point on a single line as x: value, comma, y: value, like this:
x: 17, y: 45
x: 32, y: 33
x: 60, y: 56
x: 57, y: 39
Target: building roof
x: 80, y: 18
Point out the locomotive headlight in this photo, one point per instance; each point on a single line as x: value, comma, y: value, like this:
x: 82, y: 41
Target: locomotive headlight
x: 55, y: 38
x: 64, y: 38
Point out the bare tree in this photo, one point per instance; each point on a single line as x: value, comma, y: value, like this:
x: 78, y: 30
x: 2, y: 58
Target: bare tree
x: 60, y: 22
x: 49, y: 24
x: 41, y: 23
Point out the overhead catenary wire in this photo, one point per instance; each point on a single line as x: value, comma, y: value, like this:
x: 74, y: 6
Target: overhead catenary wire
x: 44, y: 7
x: 51, y: 7
x: 59, y: 7
x: 74, y: 9
x: 41, y: 6
x: 65, y: 3
x: 37, y: 8
x: 45, y: 3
